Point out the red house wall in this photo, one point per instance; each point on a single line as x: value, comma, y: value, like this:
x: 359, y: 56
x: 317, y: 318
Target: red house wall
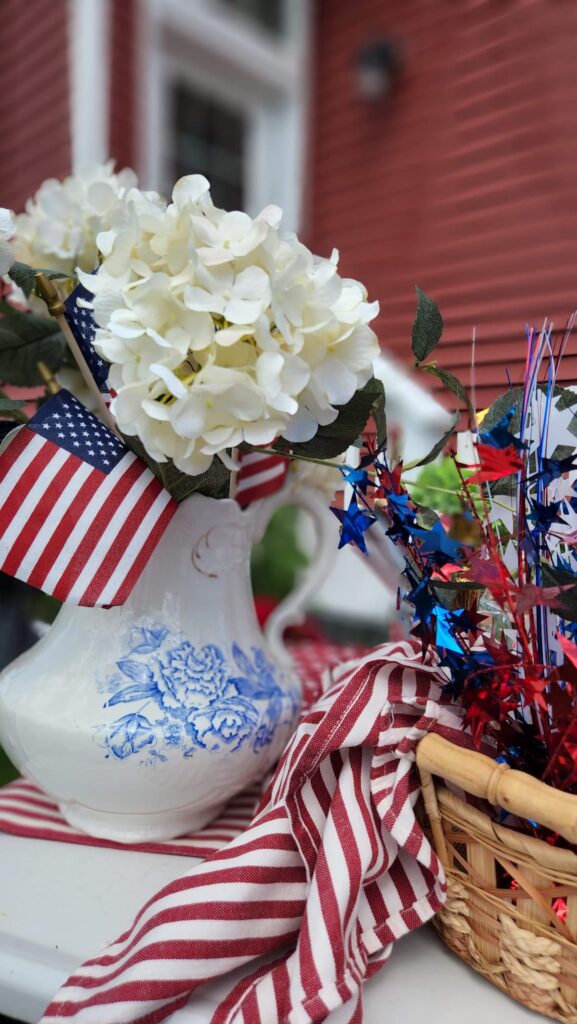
x: 463, y: 181
x: 35, y: 98
x: 34, y: 103
x: 124, y: 108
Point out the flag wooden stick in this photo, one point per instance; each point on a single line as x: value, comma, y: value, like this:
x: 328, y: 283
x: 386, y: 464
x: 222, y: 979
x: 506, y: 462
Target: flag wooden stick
x: 51, y: 384
x: 56, y: 308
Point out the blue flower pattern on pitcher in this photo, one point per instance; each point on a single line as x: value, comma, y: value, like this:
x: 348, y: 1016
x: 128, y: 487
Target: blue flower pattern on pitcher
x: 192, y: 677
x: 193, y: 697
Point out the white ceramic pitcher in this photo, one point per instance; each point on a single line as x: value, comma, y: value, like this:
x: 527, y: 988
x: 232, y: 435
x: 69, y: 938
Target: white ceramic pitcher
x: 143, y: 720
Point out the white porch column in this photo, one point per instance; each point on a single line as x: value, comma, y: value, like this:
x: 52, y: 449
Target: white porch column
x: 89, y: 80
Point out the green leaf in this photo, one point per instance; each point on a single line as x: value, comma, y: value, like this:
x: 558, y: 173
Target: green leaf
x: 427, y: 517
x: 567, y: 599
x: 567, y: 398
x: 562, y: 451
x: 451, y: 382
x: 427, y: 328
x: 214, y: 483
x: 10, y: 408
x: 10, y: 404
x: 25, y: 276
x: 25, y: 340
x: 437, y: 448
x: 333, y: 439
x: 380, y: 418
x: 512, y: 399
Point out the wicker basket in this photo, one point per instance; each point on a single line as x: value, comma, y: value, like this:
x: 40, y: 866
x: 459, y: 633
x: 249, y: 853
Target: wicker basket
x: 500, y: 915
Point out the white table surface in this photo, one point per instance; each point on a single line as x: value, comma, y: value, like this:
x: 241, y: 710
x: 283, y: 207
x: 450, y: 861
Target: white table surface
x: 60, y: 903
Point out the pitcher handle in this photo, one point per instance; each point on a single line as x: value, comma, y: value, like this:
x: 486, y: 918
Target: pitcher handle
x: 290, y: 611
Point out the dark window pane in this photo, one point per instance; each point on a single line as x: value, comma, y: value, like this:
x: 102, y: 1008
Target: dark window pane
x: 269, y: 13
x: 209, y: 138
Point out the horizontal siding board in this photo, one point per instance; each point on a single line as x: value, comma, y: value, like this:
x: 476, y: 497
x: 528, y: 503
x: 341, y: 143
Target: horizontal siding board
x: 34, y: 91
x: 463, y: 181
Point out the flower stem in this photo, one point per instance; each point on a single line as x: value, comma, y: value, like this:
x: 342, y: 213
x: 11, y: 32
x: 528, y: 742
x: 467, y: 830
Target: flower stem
x: 299, y: 458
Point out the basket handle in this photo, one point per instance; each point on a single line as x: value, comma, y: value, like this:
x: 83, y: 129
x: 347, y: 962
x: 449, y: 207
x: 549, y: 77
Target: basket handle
x: 516, y: 792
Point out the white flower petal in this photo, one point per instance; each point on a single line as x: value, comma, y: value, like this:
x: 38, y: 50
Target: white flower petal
x: 189, y: 417
x: 173, y: 384
x: 201, y: 300
x: 189, y: 189
x: 6, y: 256
x: 228, y: 336
x: 194, y: 464
x: 262, y: 432
x: 156, y: 410
x: 243, y: 311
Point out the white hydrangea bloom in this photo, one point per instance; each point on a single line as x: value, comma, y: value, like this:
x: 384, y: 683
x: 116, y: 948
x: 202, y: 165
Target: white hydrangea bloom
x: 6, y: 233
x: 61, y: 222
x: 221, y: 330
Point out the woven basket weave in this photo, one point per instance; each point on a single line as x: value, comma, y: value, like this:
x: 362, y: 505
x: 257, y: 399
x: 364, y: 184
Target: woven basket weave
x: 501, y: 914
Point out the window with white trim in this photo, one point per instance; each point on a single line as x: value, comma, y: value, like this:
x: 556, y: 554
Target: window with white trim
x: 208, y: 137
x: 225, y: 89
x: 269, y: 13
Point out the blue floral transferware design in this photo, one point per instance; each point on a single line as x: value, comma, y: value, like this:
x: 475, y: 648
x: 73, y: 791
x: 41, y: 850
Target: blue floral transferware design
x: 192, y: 697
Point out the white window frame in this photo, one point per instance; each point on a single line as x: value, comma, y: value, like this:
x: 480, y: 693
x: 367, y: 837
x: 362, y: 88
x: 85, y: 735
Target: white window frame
x: 219, y: 50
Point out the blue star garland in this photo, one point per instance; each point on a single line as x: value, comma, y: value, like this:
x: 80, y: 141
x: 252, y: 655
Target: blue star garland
x: 354, y: 524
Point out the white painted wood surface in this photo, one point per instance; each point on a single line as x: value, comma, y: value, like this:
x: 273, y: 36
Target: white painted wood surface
x: 60, y: 903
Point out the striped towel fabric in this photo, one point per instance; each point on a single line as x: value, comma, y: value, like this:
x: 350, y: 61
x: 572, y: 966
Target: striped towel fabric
x: 26, y: 811
x: 309, y: 900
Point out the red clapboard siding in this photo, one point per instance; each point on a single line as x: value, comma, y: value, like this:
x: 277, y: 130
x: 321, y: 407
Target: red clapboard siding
x: 124, y: 109
x: 34, y: 104
x: 463, y: 181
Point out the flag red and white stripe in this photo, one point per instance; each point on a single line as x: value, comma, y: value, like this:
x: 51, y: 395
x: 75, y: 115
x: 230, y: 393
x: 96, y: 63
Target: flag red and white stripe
x: 310, y: 899
x: 80, y: 514
x: 259, y: 475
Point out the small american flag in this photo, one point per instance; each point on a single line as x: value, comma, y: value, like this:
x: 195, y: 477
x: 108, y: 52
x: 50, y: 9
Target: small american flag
x: 83, y: 326
x: 80, y: 514
x: 259, y: 475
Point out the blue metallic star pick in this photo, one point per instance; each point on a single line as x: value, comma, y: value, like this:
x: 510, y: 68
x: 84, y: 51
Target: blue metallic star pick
x: 356, y: 477
x: 552, y: 469
x: 424, y: 600
x: 354, y: 524
x: 401, y: 505
x: 446, y: 626
x: 500, y: 436
x: 437, y: 545
x: 543, y: 516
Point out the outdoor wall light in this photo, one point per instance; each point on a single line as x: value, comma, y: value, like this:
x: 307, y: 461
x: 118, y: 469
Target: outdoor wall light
x: 377, y: 65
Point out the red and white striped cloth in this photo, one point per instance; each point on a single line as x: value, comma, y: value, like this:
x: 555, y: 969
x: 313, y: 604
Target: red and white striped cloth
x: 310, y: 899
x: 26, y: 811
